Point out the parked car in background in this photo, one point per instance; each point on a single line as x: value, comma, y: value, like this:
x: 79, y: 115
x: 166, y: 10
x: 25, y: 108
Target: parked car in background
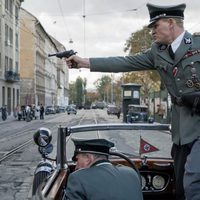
x: 100, y: 105
x: 60, y: 109
x: 93, y: 106
x: 50, y: 110
x: 138, y: 114
x: 71, y: 110
x: 113, y: 110
x: 71, y: 105
x: 87, y: 106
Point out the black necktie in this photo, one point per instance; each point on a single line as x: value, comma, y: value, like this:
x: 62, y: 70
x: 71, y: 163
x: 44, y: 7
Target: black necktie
x: 171, y: 53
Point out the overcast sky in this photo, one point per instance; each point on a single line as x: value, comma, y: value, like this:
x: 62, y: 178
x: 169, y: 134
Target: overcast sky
x: 104, y: 29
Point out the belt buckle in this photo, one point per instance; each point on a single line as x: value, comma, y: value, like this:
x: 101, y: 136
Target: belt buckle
x: 179, y: 101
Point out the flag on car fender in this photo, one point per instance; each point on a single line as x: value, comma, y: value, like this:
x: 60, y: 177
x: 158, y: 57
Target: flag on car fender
x: 146, y: 147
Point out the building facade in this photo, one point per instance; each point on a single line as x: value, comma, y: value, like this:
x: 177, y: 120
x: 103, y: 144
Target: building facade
x: 39, y: 73
x: 9, y: 54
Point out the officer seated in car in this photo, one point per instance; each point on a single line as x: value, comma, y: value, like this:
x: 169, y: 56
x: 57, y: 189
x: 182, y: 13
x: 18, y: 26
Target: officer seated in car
x: 96, y: 178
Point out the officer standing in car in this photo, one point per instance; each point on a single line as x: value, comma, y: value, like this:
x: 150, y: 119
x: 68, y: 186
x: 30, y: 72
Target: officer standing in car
x: 96, y: 178
x: 175, y: 54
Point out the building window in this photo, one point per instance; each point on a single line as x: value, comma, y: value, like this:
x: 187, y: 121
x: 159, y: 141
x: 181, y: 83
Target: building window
x: 17, y: 96
x: 3, y: 96
x: 17, y: 41
x: 9, y: 6
x: 11, y: 64
x: 17, y: 67
x: 13, y: 99
x: 16, y: 12
x: 11, y: 36
x: 6, y: 4
x: 6, y: 63
x: 6, y: 33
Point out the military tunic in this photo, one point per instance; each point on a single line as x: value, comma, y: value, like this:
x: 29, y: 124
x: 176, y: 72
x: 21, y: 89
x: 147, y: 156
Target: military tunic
x: 103, y: 181
x: 175, y: 74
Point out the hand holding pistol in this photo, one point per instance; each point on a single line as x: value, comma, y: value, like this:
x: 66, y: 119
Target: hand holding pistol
x: 65, y: 54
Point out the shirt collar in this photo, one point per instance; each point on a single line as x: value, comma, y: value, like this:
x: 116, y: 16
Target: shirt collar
x: 176, y: 43
x: 100, y: 162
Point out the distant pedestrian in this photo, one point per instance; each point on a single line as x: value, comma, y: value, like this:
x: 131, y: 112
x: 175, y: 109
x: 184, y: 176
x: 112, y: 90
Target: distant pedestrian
x: 41, y: 111
x: 37, y: 112
x: 17, y: 110
x: 28, y: 113
x: 118, y: 112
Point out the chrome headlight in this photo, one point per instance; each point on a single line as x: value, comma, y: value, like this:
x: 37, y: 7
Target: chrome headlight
x: 42, y: 137
x: 158, y: 182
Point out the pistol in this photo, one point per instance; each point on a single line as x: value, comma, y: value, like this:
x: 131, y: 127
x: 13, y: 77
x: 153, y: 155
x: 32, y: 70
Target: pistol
x: 65, y: 54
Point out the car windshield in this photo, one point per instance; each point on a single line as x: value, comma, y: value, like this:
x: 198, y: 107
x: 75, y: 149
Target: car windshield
x: 135, y: 143
x: 138, y: 108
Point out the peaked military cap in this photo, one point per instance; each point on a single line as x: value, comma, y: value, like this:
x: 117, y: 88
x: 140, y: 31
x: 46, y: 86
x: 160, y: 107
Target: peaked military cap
x: 157, y: 12
x: 98, y: 146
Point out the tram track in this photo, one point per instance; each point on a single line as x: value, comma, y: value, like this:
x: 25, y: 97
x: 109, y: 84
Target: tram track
x: 27, y: 137
x: 81, y: 122
x: 14, y: 150
x: 52, y: 126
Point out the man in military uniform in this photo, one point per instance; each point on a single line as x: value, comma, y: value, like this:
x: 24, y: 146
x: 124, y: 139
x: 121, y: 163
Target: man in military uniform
x: 175, y: 54
x: 96, y: 178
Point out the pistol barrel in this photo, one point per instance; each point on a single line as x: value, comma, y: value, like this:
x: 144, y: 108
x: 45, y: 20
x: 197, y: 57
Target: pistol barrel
x: 53, y: 54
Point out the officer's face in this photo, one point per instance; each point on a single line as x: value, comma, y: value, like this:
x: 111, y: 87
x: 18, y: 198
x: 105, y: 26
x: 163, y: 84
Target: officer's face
x: 83, y: 160
x: 162, y: 31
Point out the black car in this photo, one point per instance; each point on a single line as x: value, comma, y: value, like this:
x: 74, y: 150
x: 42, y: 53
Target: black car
x: 50, y: 110
x: 155, y: 170
x: 138, y: 114
x: 113, y: 110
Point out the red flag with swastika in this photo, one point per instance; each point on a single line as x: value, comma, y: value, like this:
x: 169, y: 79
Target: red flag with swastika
x: 146, y: 147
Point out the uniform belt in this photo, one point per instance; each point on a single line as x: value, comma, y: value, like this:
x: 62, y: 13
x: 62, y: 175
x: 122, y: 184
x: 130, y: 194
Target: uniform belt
x: 190, y: 100
x: 177, y: 101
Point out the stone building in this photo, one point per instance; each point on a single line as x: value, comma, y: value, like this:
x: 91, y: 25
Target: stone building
x: 9, y: 54
x: 40, y: 83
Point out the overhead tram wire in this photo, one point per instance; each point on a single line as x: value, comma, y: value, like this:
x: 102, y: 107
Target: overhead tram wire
x: 84, y: 40
x: 65, y: 23
x: 101, y: 13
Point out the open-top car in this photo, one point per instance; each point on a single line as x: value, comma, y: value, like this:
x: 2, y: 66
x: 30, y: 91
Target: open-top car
x: 139, y: 146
